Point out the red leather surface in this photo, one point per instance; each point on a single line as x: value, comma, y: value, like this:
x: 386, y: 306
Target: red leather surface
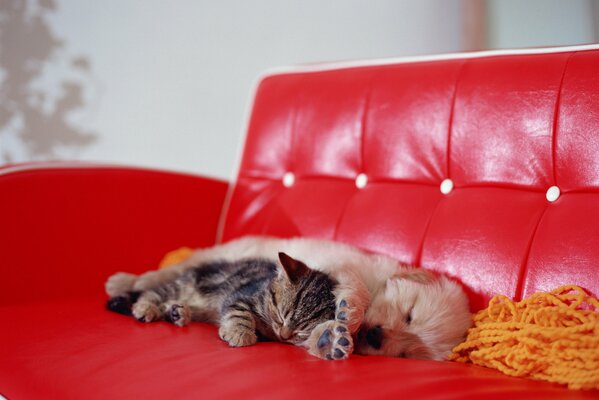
x: 64, y: 230
x: 577, y: 138
x: 502, y: 128
x: 76, y: 350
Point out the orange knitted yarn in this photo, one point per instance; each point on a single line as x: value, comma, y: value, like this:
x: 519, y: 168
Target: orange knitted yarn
x: 549, y: 336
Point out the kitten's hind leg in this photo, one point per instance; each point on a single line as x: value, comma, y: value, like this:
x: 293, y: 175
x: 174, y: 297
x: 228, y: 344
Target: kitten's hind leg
x: 147, y: 307
x: 155, y: 278
x: 238, y: 326
x: 119, y: 284
x: 152, y: 304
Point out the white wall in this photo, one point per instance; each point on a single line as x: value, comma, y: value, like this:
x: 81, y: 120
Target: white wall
x: 168, y: 83
x: 530, y: 23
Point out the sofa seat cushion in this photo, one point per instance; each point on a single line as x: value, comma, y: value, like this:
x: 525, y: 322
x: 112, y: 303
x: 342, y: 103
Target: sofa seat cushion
x: 75, y: 349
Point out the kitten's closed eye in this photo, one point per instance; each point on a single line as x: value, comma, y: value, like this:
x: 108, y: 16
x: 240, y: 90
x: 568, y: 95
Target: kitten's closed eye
x: 302, y: 334
x: 299, y: 337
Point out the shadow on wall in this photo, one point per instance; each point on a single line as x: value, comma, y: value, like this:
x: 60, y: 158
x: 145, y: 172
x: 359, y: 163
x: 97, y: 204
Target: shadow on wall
x: 34, y: 121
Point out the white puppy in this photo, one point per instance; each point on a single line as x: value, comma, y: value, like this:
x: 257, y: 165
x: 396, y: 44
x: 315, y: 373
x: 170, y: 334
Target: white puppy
x: 395, y: 310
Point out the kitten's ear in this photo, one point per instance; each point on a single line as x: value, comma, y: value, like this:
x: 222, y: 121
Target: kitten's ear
x: 295, y: 269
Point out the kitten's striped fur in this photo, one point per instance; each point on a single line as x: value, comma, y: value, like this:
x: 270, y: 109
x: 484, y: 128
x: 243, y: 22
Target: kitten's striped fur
x: 249, y: 299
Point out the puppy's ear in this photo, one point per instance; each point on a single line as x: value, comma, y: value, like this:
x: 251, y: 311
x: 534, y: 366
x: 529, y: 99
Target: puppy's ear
x: 417, y: 275
x: 294, y: 269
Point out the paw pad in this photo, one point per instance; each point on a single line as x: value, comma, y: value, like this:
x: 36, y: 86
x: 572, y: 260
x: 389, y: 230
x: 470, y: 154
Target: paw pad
x: 332, y: 339
x: 334, y: 343
x: 325, y: 339
x: 175, y: 314
x: 178, y: 315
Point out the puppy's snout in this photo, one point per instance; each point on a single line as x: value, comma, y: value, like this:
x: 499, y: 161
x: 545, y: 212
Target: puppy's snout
x: 374, y: 337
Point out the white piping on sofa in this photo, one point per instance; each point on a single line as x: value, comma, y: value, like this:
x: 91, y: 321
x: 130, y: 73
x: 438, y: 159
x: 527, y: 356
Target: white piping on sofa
x: 328, y: 66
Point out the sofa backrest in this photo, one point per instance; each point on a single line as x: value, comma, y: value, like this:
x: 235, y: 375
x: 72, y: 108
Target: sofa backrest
x: 483, y: 166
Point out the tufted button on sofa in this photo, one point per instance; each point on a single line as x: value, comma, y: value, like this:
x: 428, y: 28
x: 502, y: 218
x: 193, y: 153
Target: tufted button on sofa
x: 483, y: 166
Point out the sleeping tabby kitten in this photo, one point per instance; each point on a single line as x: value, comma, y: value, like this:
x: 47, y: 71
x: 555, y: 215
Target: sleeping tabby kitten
x: 249, y: 299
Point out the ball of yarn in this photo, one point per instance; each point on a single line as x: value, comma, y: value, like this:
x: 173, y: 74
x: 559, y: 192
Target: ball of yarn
x: 548, y: 336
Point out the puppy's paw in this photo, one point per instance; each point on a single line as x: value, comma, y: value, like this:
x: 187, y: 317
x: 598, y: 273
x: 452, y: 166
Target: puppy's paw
x: 178, y: 314
x: 119, y: 283
x: 331, y: 340
x: 237, y: 336
x: 350, y: 311
x: 144, y: 311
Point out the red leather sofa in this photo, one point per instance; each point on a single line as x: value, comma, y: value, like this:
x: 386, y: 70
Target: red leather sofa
x: 356, y: 152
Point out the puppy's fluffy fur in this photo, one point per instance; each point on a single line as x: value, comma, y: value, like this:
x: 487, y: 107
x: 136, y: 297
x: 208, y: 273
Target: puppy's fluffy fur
x: 396, y: 310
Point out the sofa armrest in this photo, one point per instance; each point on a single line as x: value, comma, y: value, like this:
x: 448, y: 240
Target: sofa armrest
x: 64, y: 227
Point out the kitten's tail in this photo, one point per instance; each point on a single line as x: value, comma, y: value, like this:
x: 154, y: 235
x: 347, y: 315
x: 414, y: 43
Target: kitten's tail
x: 123, y: 303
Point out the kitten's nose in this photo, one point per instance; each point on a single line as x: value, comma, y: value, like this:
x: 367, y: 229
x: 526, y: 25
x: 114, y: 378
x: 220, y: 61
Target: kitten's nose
x: 374, y: 337
x: 286, y: 332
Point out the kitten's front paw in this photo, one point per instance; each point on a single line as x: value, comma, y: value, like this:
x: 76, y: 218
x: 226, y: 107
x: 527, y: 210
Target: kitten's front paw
x: 237, y: 336
x: 144, y: 311
x: 119, y: 283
